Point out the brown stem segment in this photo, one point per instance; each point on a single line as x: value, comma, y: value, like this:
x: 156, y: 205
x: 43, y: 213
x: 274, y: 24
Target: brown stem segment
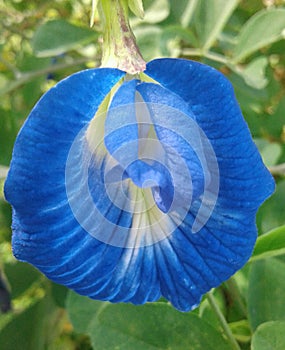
x: 119, y: 44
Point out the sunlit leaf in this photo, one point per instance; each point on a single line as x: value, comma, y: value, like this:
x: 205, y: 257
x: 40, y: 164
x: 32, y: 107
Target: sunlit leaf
x: 254, y: 73
x: 155, y: 11
x: 210, y: 19
x: 264, y: 28
x: 241, y: 330
x: 270, y: 244
x: 93, y: 11
x: 270, y: 151
x: 136, y: 7
x: 188, y: 13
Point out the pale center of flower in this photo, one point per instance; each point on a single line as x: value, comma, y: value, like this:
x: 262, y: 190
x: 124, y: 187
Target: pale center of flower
x: 156, y: 177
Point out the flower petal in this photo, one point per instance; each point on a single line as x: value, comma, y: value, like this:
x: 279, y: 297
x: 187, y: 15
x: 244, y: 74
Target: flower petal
x: 44, y: 194
x: 91, y: 192
x: 210, y: 97
x: 45, y: 231
x: 225, y: 241
x: 121, y: 129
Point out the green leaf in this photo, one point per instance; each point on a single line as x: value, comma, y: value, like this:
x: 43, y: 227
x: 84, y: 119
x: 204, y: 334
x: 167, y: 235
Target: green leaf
x: 136, y: 7
x: 8, y: 132
x: 270, y: 244
x: 252, y: 102
x: 271, y: 213
x: 270, y: 151
x: 3, y: 81
x: 93, y: 11
x: 264, y: 28
x: 211, y: 17
x: 5, y: 298
x: 81, y: 310
x: 5, y: 227
x: 241, y: 330
x: 59, y: 294
x: 254, y: 73
x: 149, y: 40
x: 32, y: 90
x: 182, y: 11
x: 269, y: 336
x: 263, y: 122
x: 175, y: 33
x: 188, y: 12
x: 266, y: 292
x: 206, y: 312
x: 30, y: 328
x: 275, y: 124
x: 58, y: 36
x: 21, y: 276
x: 155, y: 326
x: 152, y: 326
x: 155, y: 11
x: 156, y: 43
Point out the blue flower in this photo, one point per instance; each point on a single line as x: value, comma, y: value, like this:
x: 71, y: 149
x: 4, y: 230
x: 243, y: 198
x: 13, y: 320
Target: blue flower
x: 129, y: 190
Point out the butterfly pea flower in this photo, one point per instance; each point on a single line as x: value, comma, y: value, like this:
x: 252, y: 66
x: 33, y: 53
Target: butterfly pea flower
x: 131, y: 189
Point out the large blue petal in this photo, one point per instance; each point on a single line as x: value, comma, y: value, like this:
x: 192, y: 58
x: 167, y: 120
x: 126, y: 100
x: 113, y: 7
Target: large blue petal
x: 53, y: 164
x: 211, y: 98
x: 226, y: 240
x: 73, y: 216
x: 45, y: 231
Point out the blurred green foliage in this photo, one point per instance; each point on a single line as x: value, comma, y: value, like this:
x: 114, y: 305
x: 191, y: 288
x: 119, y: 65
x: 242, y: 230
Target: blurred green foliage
x: 42, y: 42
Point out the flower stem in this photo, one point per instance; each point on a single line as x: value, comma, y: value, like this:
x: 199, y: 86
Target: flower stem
x: 25, y: 77
x: 235, y: 294
x: 119, y: 44
x: 278, y: 170
x: 223, y: 321
x: 188, y: 13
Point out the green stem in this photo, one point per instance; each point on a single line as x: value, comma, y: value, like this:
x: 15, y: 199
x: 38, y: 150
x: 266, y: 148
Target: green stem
x: 119, y: 44
x: 277, y: 170
x: 13, y: 69
x: 208, y: 54
x: 214, y: 57
x: 188, y: 13
x: 25, y: 77
x: 223, y: 321
x: 235, y: 294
